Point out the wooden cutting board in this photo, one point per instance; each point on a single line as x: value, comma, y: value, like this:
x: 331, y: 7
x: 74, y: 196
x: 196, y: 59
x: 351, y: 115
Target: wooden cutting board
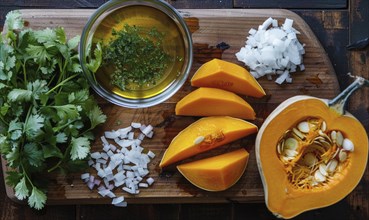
x: 209, y: 28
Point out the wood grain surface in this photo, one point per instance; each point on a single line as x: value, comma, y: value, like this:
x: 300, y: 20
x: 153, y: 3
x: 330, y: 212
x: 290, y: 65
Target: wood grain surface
x: 209, y: 27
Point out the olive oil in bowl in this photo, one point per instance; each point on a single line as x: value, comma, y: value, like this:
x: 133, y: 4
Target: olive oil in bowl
x: 143, y: 52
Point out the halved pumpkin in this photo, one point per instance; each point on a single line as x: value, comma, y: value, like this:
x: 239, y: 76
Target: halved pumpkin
x: 216, y: 173
x: 228, y: 76
x: 214, y: 102
x: 205, y: 134
x: 299, y: 158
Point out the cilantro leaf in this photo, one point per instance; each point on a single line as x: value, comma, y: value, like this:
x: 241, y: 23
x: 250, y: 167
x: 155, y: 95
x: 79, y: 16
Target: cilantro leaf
x: 45, y: 35
x: 20, y: 95
x: 60, y: 35
x: 33, y: 125
x: 4, y: 109
x: 37, y: 87
x: 13, y: 178
x: 78, y: 97
x: 14, y: 21
x: 33, y: 155
x: 95, y: 62
x: 38, y: 53
x: 4, y: 145
x: 21, y: 190
x: 67, y: 111
x: 15, y: 129
x: 15, y: 125
x: 7, y: 62
x: 76, y: 68
x: 37, y: 199
x: 80, y: 148
x: 61, y: 138
x: 73, y: 43
x: 51, y: 151
x: 13, y: 157
x: 96, y: 116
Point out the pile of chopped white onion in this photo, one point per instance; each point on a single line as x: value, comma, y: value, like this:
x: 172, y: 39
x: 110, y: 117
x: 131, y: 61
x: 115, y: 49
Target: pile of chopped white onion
x: 122, y: 164
x: 273, y: 51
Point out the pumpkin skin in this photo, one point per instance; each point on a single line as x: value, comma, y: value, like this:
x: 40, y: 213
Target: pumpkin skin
x: 281, y: 197
x: 214, y: 102
x: 219, y: 130
x: 228, y: 76
x: 216, y: 173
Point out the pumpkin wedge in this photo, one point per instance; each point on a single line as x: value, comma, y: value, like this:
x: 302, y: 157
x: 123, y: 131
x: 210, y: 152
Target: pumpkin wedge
x: 214, y: 102
x: 205, y: 134
x: 216, y: 173
x: 310, y: 153
x: 228, y: 76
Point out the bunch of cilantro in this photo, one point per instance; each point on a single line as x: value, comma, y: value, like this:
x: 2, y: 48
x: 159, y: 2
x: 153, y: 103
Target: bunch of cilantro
x: 46, y: 112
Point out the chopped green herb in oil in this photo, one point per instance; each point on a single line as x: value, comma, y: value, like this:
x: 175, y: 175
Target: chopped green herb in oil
x: 137, y: 56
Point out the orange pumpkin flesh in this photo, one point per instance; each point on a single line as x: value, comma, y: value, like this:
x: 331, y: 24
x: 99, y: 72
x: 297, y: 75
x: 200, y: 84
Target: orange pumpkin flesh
x: 215, y: 131
x: 216, y: 173
x: 228, y: 76
x: 281, y: 197
x: 214, y: 102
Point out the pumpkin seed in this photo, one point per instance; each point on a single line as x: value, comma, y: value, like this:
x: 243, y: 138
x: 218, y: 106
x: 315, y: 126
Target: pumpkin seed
x: 310, y: 159
x: 342, y: 155
x: 348, y: 145
x: 332, y: 165
x: 290, y: 153
x: 339, y: 137
x: 304, y: 127
x: 334, y: 136
x: 323, y: 169
x: 291, y: 144
x: 199, y: 139
x: 279, y: 147
x: 319, y: 177
x: 323, y: 126
x: 298, y: 133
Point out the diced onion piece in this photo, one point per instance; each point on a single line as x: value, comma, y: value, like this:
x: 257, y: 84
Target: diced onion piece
x: 111, y: 134
x: 122, y: 204
x: 150, y: 181
x: 144, y: 185
x: 147, y: 130
x: 104, y: 192
x: 135, y: 125
x: 85, y: 176
x: 90, y: 185
x: 96, y: 155
x: 117, y: 200
x: 151, y: 154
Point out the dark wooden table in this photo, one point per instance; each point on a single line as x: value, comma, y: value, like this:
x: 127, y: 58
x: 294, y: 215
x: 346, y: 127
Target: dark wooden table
x: 336, y: 23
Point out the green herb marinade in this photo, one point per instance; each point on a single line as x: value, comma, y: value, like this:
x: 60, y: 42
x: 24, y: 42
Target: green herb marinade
x: 137, y: 57
x: 46, y: 111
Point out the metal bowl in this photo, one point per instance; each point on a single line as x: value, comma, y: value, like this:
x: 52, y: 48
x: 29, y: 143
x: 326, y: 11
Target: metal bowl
x: 117, y: 12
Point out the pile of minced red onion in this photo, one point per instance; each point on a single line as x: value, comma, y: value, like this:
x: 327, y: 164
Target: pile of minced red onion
x: 122, y: 164
x: 273, y: 50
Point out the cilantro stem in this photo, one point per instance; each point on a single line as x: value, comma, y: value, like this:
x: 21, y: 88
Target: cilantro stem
x: 26, y: 175
x: 61, y: 83
x: 57, y: 129
x: 56, y: 165
x: 66, y: 152
x: 24, y: 72
x: 3, y: 120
